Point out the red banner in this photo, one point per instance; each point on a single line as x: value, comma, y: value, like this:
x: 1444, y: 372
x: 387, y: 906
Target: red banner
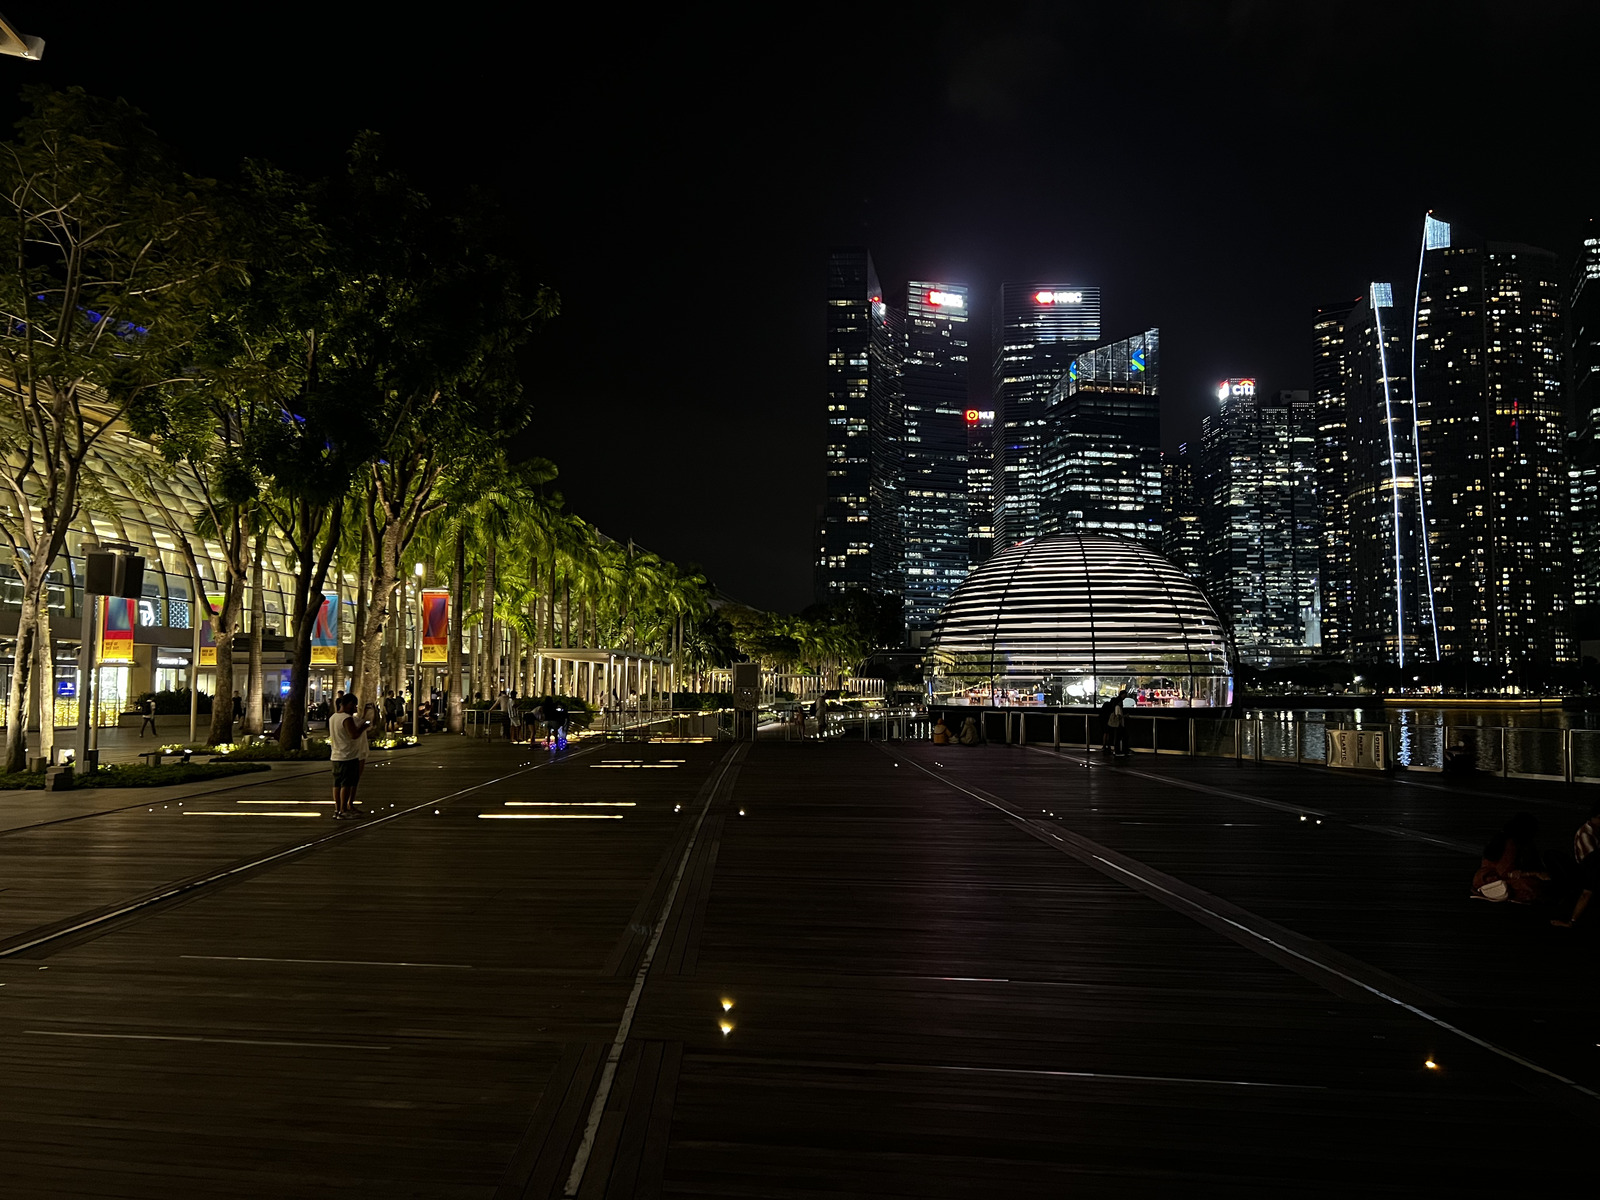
x: 116, y: 630
x: 435, y: 625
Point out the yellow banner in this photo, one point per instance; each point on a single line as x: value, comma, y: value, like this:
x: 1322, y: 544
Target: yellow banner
x: 116, y: 630
x: 208, y: 639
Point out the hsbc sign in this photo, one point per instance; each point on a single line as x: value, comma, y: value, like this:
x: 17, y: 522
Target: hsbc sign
x: 1058, y: 297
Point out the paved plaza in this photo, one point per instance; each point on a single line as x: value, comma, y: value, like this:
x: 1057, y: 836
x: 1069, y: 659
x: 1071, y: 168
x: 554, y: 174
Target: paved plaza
x: 834, y: 969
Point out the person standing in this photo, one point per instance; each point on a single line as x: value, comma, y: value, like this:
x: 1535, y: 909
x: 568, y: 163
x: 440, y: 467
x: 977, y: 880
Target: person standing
x: 346, y: 734
x: 1117, y: 725
x: 558, y: 722
x: 363, y: 751
x: 147, y: 715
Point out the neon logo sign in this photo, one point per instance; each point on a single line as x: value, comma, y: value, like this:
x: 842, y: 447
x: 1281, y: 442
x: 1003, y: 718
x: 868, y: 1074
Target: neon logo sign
x: 947, y: 299
x: 1236, y: 387
x: 1058, y: 297
x: 974, y: 415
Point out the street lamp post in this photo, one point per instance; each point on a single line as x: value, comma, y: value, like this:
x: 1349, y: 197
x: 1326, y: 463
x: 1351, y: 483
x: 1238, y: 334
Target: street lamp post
x: 416, y: 651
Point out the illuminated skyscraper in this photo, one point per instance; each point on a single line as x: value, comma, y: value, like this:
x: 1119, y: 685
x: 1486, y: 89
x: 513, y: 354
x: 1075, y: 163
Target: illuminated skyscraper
x: 1039, y: 329
x: 1181, y: 543
x: 1333, y: 470
x: 1100, y: 443
x: 858, y: 535
x: 1583, y: 425
x: 1391, y: 610
x: 1487, y: 346
x: 980, y: 484
x: 1260, y: 519
x: 933, y: 507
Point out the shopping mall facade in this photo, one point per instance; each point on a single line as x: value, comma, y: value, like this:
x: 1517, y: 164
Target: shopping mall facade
x: 132, y: 490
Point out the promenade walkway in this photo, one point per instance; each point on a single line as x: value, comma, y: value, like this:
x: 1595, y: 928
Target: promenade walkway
x: 787, y: 970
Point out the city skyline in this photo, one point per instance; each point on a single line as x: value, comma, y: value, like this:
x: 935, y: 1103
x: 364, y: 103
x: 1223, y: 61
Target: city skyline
x: 1230, y: 212
x: 1421, y: 505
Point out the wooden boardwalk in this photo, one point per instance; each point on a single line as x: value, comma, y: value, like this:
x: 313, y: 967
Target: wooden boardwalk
x: 787, y: 970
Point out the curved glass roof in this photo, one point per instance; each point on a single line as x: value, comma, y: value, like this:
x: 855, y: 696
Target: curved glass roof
x: 1071, y: 619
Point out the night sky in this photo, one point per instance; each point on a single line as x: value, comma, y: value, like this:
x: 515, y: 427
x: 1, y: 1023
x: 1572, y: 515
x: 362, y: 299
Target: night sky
x: 1218, y: 169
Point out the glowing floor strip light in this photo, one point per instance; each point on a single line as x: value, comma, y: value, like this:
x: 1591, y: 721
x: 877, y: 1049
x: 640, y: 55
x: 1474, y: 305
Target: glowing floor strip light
x: 549, y: 816
x: 284, y: 802
x: 237, y: 813
x: 571, y: 804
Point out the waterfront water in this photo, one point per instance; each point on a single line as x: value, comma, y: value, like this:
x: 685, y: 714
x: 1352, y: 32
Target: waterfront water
x: 1527, y: 741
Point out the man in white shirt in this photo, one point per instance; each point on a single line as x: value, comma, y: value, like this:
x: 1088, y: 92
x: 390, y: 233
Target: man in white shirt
x: 347, y: 735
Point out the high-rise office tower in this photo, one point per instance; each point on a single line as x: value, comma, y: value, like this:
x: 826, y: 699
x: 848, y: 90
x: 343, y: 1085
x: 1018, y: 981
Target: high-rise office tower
x: 1390, y: 618
x: 1291, y: 522
x: 1100, y: 456
x: 1333, y: 468
x: 1039, y: 329
x: 1583, y: 431
x: 980, y: 484
x: 858, y: 535
x: 933, y: 505
x: 1181, y: 544
x: 1487, y: 378
x: 1259, y: 524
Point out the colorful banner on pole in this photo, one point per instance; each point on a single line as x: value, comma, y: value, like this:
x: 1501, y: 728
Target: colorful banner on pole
x: 325, y: 633
x: 116, y: 630
x: 435, y: 626
x: 208, y: 634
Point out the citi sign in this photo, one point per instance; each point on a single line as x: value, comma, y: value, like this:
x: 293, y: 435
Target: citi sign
x: 1236, y: 387
x: 947, y: 299
x: 1058, y: 297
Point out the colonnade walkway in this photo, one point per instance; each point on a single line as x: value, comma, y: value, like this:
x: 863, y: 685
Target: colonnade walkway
x: 809, y: 969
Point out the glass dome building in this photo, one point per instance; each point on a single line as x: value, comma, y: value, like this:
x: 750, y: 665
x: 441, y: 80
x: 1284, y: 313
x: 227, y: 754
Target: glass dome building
x: 1069, y: 620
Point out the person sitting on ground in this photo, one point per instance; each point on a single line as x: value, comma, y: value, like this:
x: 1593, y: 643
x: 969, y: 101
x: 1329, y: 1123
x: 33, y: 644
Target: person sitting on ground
x: 969, y: 732
x: 1511, y: 868
x: 941, y: 733
x: 1586, y: 856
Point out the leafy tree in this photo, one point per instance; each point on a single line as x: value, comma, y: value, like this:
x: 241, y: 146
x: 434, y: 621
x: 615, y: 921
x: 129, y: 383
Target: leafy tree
x: 434, y: 360
x: 115, y: 256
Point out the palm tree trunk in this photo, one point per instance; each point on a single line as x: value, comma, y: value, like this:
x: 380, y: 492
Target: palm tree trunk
x: 491, y: 642
x: 476, y: 687
x: 253, y: 722
x: 453, y: 666
x: 44, y: 684
x: 550, y: 612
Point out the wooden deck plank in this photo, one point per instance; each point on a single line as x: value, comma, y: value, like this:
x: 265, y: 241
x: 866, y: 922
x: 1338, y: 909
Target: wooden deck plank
x: 926, y: 1001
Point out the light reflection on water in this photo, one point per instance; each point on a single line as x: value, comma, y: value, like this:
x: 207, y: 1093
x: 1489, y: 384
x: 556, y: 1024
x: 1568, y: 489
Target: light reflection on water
x: 1526, y: 740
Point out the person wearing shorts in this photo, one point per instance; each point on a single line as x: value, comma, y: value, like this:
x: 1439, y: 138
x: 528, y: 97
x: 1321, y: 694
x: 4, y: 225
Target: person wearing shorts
x: 347, y: 736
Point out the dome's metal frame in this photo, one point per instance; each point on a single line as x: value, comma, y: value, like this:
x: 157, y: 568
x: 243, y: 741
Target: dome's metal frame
x: 1045, y: 622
